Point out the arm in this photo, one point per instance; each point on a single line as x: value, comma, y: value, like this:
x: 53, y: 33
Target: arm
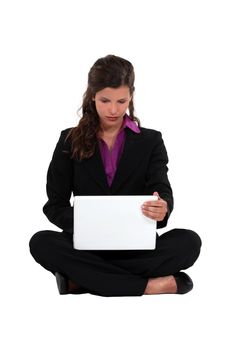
x: 157, y: 179
x: 59, y: 187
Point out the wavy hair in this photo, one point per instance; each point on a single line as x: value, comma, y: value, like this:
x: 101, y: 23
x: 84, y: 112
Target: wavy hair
x: 109, y: 71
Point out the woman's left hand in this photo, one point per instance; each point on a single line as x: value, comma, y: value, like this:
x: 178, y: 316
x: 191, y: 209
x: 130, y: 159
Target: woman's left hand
x: 155, y: 210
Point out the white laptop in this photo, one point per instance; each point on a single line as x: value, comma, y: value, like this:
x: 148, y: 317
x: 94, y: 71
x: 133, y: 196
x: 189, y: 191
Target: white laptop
x: 112, y: 223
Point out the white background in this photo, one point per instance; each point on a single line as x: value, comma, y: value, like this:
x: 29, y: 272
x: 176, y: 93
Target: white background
x: 182, y: 54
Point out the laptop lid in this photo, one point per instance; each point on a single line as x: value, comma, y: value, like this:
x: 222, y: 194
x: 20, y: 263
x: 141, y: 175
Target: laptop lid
x: 112, y: 223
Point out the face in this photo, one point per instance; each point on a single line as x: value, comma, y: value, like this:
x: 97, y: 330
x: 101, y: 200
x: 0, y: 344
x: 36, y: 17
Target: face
x: 111, y: 105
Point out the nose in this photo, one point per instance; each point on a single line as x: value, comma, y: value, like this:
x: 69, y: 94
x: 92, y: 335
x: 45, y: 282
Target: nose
x: 112, y: 109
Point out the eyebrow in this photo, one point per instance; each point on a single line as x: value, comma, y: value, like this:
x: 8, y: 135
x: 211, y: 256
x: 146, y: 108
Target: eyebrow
x: 123, y: 98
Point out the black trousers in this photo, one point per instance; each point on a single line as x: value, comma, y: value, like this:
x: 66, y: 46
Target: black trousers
x: 115, y: 273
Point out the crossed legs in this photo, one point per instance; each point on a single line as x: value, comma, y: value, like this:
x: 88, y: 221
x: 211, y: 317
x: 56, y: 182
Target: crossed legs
x: 118, y: 273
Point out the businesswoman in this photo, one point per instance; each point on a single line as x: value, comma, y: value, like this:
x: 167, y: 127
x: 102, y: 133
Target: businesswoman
x: 110, y: 153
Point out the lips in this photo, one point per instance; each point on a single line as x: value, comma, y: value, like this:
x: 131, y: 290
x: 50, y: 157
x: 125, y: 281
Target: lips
x: 112, y: 118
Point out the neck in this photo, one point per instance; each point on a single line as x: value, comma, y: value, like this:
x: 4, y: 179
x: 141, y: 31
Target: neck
x: 109, y: 130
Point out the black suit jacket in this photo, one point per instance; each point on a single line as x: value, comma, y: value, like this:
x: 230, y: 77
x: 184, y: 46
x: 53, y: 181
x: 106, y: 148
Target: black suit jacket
x: 142, y: 170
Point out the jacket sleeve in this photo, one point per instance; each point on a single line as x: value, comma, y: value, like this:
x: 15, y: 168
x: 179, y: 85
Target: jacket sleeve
x: 156, y: 177
x: 59, y: 187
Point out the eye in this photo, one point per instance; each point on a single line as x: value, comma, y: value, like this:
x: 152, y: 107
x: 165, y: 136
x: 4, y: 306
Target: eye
x: 121, y: 102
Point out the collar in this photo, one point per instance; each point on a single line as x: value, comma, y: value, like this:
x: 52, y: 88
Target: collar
x: 129, y: 123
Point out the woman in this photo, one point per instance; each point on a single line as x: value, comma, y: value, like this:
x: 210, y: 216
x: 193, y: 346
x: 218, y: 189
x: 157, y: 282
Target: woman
x: 109, y: 153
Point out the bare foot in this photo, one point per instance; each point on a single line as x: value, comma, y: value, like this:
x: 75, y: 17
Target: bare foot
x: 161, y: 285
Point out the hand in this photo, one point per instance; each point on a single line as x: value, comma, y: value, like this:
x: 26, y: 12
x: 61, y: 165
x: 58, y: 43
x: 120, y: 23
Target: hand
x: 155, y: 210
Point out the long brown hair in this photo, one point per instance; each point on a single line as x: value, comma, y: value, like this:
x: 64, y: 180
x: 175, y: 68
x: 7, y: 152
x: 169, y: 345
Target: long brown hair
x: 109, y: 71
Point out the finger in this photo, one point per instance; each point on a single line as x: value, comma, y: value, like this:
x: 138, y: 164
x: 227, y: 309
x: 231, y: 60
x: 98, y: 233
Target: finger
x: 149, y: 215
x: 154, y: 203
x: 156, y: 194
x: 156, y: 217
x: 155, y: 213
x: 153, y: 209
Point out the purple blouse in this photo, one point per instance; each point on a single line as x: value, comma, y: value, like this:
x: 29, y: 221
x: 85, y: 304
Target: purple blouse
x: 111, y: 158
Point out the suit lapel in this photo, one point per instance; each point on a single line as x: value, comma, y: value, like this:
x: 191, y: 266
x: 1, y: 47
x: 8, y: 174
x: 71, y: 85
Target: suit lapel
x: 131, y: 156
x: 95, y: 168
